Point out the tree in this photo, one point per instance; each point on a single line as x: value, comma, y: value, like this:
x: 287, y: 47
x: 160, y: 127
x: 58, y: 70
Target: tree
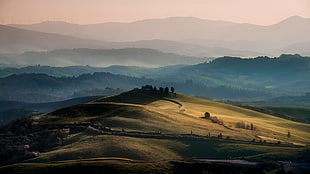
x: 166, y: 91
x: 161, y: 90
x: 220, y: 135
x: 288, y: 134
x: 207, y: 115
x: 172, y: 89
x: 252, y: 127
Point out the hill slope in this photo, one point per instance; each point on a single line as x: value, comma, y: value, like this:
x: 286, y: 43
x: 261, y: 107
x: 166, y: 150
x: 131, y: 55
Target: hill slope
x: 10, y: 110
x: 142, y: 125
x: 290, y: 113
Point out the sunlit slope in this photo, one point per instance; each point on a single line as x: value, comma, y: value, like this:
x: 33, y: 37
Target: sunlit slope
x: 267, y: 125
x: 171, y: 127
x: 185, y: 112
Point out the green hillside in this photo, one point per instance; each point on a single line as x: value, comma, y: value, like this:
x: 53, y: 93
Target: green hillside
x: 290, y: 113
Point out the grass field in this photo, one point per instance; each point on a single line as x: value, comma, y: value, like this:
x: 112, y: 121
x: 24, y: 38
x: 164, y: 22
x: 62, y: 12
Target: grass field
x: 139, y: 127
x: 121, y: 165
x: 94, y: 165
x: 170, y: 118
x: 290, y: 113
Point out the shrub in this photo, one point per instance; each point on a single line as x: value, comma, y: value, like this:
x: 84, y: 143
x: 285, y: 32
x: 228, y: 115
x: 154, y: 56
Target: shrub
x: 214, y: 119
x: 288, y: 134
x: 242, y: 125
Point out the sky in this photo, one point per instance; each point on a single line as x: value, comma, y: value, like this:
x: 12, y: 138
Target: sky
x: 260, y: 12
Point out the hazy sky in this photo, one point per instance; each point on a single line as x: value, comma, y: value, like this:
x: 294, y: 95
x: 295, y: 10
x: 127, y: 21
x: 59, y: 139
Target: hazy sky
x: 262, y: 12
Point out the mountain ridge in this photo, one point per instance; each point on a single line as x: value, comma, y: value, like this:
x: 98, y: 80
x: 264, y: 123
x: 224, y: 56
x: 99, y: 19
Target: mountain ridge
x: 266, y: 39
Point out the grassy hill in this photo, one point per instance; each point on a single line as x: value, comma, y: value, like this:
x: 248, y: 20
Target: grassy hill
x: 141, y: 125
x: 290, y: 113
x: 195, y: 108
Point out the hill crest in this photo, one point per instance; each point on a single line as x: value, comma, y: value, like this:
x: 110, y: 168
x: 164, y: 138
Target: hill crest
x: 142, y: 126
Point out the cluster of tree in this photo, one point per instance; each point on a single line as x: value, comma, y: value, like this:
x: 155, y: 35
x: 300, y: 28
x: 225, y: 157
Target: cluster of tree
x: 243, y: 125
x: 158, y: 91
x: 217, y: 120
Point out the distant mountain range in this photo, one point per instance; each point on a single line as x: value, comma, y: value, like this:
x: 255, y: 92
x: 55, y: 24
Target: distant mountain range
x: 15, y: 40
x: 74, y: 71
x: 38, y: 88
x: 230, y: 78
x: 100, y: 57
x: 180, y: 35
x: 294, y: 29
x: 287, y: 74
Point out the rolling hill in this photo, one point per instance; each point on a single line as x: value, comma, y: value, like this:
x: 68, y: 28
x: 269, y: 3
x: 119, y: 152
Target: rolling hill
x: 67, y: 71
x: 145, y: 125
x: 289, y: 113
x: 286, y: 74
x: 100, y: 57
x: 38, y: 88
x: 74, y: 71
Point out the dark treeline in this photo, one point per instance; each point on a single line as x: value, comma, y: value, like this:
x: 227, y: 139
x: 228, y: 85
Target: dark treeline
x: 44, y: 88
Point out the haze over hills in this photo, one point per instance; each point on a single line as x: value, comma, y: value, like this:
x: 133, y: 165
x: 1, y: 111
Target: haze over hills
x: 226, y: 78
x: 38, y: 88
x: 74, y: 71
x: 14, y: 40
x: 287, y: 74
x: 100, y: 57
x: 246, y: 37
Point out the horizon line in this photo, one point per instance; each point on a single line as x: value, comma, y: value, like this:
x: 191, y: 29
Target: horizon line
x: 147, y: 19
